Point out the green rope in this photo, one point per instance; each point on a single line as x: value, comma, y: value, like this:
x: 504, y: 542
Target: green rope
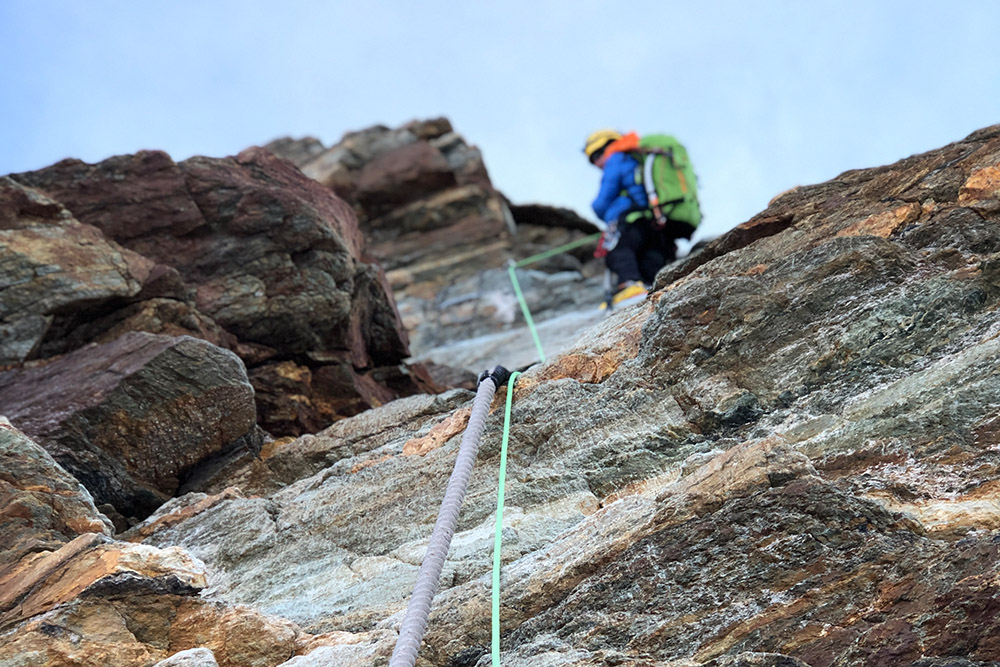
x: 525, y: 311
x: 517, y: 286
x: 499, y: 528
x: 558, y: 250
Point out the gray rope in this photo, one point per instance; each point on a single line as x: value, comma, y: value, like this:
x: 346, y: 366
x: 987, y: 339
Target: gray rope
x: 411, y: 631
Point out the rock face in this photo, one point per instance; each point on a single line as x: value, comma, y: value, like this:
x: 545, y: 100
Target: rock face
x: 444, y: 234
x: 786, y: 456
x: 244, y: 252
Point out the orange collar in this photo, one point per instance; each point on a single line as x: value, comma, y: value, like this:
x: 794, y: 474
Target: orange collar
x: 628, y: 142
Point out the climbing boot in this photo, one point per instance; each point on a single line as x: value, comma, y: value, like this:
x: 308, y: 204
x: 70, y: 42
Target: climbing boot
x: 628, y: 293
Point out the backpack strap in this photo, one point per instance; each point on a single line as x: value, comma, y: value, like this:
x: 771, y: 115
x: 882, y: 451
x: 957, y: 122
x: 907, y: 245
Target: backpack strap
x: 649, y: 185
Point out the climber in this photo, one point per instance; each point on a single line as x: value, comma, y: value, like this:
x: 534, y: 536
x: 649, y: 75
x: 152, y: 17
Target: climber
x: 641, y: 234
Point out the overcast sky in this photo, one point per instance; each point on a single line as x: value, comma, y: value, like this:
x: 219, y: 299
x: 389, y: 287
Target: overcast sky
x: 766, y: 95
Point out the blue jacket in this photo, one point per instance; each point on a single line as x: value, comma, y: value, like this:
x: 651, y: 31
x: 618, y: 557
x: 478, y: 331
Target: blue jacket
x: 619, y: 192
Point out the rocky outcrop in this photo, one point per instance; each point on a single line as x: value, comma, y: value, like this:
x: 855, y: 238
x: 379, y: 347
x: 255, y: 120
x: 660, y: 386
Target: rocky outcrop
x: 423, y: 199
x: 268, y: 254
x: 444, y: 234
x: 71, y: 595
x: 53, y: 264
x: 785, y: 456
x: 244, y: 252
x: 132, y: 417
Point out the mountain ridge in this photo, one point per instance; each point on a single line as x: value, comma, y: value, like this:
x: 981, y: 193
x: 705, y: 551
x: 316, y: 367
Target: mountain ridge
x: 787, y: 455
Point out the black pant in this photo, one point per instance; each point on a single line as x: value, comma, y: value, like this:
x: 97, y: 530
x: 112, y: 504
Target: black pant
x: 643, y: 249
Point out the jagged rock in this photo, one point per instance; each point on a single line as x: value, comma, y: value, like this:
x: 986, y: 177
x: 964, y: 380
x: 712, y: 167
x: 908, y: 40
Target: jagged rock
x: 131, y: 417
x: 296, y: 399
x: 339, y: 167
x: 299, y: 290
x: 424, y: 199
x: 41, y: 505
x: 53, y: 265
x: 88, y: 563
x: 58, y: 568
x: 243, y: 252
x: 133, y: 199
x: 135, y: 620
x: 401, y: 176
x: 223, y: 235
x: 443, y: 232
x: 70, y: 595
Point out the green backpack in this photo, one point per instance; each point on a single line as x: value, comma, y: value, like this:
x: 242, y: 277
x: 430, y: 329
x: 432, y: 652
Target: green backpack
x: 669, y: 179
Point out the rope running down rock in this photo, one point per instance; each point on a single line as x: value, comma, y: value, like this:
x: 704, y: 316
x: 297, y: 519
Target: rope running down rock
x: 414, y: 624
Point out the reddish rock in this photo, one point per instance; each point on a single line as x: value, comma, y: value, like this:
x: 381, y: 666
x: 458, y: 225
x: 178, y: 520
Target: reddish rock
x: 402, y: 176
x: 284, y: 397
x: 272, y: 256
x: 69, y: 595
x: 244, y: 252
x: 131, y: 198
x: 130, y: 418
x: 284, y: 269
x: 295, y: 400
x: 116, y: 604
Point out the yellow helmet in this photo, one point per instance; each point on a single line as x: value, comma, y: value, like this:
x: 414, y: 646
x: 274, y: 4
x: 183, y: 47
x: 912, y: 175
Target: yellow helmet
x: 598, y: 140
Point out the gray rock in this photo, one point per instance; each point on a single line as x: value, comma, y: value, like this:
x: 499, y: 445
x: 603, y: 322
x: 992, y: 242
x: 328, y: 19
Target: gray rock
x: 193, y: 657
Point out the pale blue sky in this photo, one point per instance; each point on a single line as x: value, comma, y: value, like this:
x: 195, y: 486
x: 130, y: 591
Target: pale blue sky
x: 765, y: 95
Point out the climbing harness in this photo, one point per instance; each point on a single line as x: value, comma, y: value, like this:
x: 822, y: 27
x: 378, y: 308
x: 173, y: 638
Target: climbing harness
x: 414, y: 623
x: 512, y: 273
